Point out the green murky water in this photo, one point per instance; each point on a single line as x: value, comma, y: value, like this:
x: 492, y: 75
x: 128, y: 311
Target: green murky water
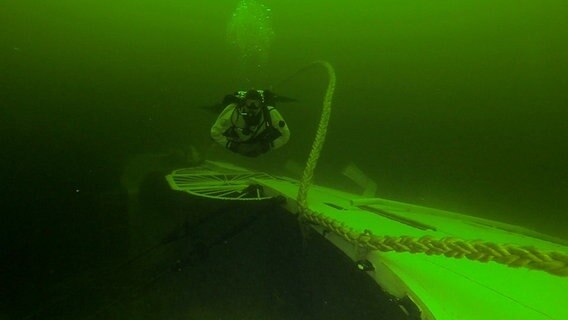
x: 460, y: 106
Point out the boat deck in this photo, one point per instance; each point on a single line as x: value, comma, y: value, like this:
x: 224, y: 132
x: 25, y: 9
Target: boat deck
x: 442, y: 287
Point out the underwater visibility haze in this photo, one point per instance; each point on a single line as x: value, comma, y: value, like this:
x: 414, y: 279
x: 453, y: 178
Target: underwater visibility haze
x: 460, y: 106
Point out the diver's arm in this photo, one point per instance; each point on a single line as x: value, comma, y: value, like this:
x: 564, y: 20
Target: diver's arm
x: 279, y: 123
x: 221, y: 125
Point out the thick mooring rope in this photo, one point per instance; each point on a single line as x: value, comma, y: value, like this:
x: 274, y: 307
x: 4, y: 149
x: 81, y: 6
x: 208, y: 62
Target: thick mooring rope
x: 553, y: 262
x: 317, y: 146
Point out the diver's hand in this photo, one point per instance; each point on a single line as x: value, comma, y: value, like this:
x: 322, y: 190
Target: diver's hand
x: 249, y: 149
x: 254, y: 149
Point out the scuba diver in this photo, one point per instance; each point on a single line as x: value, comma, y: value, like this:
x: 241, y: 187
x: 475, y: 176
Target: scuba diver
x: 250, y: 125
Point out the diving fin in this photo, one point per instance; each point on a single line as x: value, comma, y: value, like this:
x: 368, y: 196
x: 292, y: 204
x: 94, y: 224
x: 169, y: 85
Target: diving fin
x: 272, y: 98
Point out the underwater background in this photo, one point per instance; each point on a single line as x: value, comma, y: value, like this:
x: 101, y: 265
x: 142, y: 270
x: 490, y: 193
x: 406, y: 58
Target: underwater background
x: 455, y: 105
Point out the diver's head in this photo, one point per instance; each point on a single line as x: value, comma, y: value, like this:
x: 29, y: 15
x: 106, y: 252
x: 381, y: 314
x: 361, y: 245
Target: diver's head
x: 251, y: 107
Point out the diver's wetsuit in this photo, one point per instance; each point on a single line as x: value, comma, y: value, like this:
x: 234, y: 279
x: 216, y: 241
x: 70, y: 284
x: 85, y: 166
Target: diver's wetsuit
x: 231, y: 129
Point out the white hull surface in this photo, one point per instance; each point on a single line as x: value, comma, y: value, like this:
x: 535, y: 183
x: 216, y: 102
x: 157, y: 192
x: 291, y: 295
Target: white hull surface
x: 443, y: 288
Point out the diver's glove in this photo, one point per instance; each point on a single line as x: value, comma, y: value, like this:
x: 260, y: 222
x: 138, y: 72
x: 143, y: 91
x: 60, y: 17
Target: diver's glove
x: 248, y: 149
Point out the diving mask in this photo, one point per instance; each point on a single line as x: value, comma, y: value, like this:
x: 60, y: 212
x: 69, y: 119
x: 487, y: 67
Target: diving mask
x: 250, y: 108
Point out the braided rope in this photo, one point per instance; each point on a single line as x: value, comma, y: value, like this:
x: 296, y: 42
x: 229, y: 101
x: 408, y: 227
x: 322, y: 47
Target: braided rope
x: 553, y: 262
x: 320, y: 137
